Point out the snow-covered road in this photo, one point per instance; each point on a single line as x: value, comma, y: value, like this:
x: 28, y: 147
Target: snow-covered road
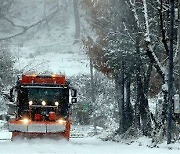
x: 89, y: 145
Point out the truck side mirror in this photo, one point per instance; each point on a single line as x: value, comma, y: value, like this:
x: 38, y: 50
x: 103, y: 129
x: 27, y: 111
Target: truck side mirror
x: 13, y: 95
x: 73, y: 93
x: 73, y: 100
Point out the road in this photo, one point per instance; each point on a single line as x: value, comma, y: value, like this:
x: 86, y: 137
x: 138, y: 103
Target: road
x: 88, y: 145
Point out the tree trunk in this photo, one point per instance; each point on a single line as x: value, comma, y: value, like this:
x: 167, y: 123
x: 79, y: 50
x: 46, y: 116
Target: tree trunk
x: 119, y: 85
x: 137, y: 103
x: 142, y: 100
x: 170, y: 75
x: 122, y: 97
x: 179, y: 40
x: 162, y: 28
x: 128, y: 106
x: 147, y: 79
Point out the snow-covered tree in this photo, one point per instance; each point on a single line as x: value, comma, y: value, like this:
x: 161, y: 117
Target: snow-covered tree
x: 6, y: 76
x: 104, y: 106
x: 136, y: 32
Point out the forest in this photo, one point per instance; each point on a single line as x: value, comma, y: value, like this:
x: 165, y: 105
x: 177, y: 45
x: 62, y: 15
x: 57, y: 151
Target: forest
x: 135, y: 39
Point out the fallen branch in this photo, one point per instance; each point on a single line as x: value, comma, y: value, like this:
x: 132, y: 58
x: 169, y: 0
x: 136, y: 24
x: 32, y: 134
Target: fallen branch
x: 25, y: 28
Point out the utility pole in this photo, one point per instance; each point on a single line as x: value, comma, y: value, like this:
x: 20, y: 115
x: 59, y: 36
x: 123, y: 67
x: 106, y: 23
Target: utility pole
x: 93, y: 96
x: 122, y: 98
x: 179, y: 40
x: 170, y: 75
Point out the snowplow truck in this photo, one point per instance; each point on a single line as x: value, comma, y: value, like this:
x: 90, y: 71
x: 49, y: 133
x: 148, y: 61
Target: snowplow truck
x: 42, y: 106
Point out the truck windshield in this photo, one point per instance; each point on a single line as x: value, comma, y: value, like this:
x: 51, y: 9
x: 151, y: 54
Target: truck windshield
x: 46, y: 94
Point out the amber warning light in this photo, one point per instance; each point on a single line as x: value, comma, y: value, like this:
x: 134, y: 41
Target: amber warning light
x: 45, y: 79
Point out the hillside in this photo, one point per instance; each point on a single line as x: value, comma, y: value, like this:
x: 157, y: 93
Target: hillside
x: 48, y: 34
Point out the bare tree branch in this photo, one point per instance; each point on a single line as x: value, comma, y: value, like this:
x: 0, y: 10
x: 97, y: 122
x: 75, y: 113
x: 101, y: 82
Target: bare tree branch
x: 26, y: 28
x: 45, y: 16
x: 12, y: 23
x: 126, y: 30
x: 147, y: 46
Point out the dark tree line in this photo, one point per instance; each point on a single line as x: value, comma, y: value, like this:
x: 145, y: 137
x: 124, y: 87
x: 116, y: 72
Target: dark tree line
x: 132, y: 48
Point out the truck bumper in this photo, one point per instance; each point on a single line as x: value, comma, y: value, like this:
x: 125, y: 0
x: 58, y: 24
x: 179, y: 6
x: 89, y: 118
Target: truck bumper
x: 36, y: 127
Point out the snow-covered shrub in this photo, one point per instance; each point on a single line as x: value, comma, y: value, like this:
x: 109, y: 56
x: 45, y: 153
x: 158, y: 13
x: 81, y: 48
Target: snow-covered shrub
x: 104, y: 106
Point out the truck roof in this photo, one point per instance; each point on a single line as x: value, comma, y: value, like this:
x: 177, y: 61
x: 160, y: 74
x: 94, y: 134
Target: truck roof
x: 43, y: 79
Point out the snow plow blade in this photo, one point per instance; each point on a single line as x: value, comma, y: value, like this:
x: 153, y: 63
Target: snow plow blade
x: 39, y: 129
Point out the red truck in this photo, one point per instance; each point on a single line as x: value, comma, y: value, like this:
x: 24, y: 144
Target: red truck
x: 42, y: 106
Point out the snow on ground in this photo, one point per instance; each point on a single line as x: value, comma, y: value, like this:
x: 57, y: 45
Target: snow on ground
x: 67, y: 61
x: 86, y: 145
x: 89, y: 145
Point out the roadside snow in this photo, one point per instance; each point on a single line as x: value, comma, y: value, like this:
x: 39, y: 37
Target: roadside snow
x: 77, y: 146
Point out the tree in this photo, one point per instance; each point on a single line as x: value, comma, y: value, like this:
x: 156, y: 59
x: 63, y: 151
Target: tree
x: 115, y: 52
x: 170, y: 75
x: 6, y: 76
x: 178, y: 42
x: 6, y: 66
x: 138, y: 34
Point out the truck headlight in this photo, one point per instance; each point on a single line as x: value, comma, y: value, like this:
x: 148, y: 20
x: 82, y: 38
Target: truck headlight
x: 62, y: 121
x: 25, y: 120
x: 30, y: 102
x: 43, y: 103
x: 56, y: 103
